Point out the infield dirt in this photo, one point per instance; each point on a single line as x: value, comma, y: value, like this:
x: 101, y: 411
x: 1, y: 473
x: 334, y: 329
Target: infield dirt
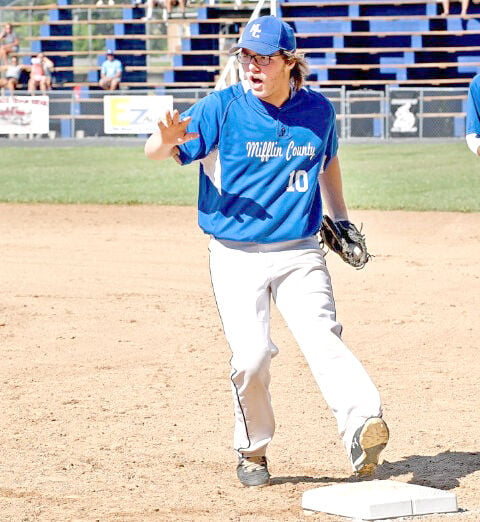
x: 115, y: 402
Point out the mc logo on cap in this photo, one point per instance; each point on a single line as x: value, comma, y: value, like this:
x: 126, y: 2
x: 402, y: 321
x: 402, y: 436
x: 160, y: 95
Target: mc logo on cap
x: 267, y: 35
x: 255, y: 31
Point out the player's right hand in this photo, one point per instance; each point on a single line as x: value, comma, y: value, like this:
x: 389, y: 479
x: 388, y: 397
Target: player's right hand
x: 174, y: 131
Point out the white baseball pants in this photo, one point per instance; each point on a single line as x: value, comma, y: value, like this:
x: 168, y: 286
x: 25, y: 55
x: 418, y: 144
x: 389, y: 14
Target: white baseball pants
x: 244, y: 277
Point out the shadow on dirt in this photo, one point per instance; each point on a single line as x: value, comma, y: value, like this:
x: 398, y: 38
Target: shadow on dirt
x: 442, y: 471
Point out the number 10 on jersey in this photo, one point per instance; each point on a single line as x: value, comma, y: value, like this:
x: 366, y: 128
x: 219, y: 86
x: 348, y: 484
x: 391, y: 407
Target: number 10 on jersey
x: 298, y: 181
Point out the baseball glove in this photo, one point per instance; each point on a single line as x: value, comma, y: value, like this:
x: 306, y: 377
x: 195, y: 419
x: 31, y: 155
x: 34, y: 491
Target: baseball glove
x: 344, y: 238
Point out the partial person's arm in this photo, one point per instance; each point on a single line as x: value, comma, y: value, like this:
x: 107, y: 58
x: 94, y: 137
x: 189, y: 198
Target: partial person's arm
x: 473, y: 143
x: 472, y: 134
x: 332, y: 190
x: 171, y: 132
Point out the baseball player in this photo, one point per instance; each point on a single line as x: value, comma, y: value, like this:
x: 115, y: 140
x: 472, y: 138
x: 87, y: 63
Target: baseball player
x: 268, y: 148
x: 473, y: 116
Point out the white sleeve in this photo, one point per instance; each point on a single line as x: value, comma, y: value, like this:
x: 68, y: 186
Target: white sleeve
x: 473, y: 142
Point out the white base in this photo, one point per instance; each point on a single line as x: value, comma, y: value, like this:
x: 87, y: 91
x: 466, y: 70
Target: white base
x: 377, y: 499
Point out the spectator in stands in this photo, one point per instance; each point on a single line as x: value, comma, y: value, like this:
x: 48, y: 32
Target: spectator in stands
x: 473, y: 116
x: 39, y: 76
x: 464, y: 7
x: 446, y: 7
x: 48, y: 68
x: 150, y: 4
x: 9, y: 43
x: 100, y: 2
x: 12, y: 75
x: 167, y: 6
x: 111, y: 72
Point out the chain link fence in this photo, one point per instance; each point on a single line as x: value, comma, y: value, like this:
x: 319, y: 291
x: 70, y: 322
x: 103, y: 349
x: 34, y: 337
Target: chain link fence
x: 361, y: 114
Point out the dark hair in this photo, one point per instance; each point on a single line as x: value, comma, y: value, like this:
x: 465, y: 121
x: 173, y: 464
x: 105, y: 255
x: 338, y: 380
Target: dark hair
x: 300, y: 70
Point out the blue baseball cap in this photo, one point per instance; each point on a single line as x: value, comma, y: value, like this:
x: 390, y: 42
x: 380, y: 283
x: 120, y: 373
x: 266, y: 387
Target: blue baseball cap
x: 267, y: 35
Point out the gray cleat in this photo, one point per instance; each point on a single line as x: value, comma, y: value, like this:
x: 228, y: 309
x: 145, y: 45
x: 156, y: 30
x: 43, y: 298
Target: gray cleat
x: 253, y: 471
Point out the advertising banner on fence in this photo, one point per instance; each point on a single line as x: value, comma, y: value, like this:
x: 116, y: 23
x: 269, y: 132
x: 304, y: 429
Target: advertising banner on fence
x: 404, y: 114
x: 24, y: 115
x: 134, y: 114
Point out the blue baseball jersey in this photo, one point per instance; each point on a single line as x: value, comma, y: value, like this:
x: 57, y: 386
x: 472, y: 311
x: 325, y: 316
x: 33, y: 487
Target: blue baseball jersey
x: 260, y: 164
x: 473, y: 107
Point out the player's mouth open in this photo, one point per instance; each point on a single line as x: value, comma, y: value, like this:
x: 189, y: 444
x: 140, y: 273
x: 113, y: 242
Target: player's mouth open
x: 256, y: 81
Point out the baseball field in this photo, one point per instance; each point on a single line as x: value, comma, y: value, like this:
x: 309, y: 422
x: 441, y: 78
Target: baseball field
x: 115, y: 402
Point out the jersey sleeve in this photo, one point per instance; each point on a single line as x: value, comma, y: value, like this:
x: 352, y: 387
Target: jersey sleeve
x: 206, y: 117
x: 473, y: 107
x: 331, y: 146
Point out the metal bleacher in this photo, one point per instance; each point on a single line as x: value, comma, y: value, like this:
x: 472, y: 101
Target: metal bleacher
x: 356, y: 43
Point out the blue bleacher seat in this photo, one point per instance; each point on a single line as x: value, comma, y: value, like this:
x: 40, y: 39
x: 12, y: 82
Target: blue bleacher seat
x: 56, y: 30
x: 377, y: 41
x: 399, y: 72
x: 314, y: 10
x: 392, y: 26
x: 391, y: 9
x: 322, y: 59
x: 465, y: 64
x: 459, y: 24
x: 321, y: 26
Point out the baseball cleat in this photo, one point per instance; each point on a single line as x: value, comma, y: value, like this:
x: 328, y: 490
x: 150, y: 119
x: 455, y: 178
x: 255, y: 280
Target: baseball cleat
x: 367, y: 444
x: 253, y: 471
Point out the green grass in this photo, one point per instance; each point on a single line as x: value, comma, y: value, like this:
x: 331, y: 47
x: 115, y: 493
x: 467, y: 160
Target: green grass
x: 406, y: 176
x: 107, y: 175
x: 403, y: 176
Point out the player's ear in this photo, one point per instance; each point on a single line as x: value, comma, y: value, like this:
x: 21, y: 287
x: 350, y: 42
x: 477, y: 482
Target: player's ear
x: 290, y: 61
